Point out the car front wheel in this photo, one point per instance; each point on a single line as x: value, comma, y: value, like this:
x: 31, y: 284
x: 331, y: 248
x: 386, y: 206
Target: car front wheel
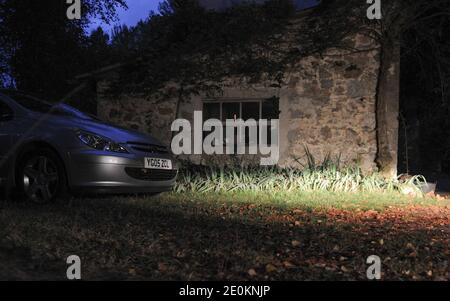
x: 41, y: 176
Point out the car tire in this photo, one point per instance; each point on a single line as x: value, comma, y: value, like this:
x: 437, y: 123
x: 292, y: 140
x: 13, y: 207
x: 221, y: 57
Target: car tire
x: 41, y: 176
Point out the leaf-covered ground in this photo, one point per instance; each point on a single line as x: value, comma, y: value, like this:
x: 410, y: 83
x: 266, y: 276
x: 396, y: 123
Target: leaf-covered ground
x: 228, y: 237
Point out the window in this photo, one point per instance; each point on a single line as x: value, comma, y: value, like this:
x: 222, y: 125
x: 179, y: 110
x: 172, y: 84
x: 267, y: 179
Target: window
x: 212, y: 111
x: 241, y: 109
x: 251, y: 110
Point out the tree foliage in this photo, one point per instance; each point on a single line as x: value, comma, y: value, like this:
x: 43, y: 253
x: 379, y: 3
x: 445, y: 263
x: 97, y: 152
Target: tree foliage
x: 419, y: 27
x: 197, y: 48
x: 40, y: 48
x: 186, y: 44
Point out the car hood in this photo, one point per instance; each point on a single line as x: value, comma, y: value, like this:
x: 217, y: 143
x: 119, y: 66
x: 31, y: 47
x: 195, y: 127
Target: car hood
x: 115, y: 133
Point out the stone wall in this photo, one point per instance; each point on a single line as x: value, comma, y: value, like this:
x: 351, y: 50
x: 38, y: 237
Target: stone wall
x: 137, y: 112
x: 327, y: 105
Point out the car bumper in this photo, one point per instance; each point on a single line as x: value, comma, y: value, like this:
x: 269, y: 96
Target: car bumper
x: 96, y: 172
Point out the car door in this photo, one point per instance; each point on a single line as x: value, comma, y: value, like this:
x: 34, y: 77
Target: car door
x: 6, y: 136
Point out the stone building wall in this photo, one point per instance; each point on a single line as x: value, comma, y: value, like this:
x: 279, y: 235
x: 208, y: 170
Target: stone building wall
x: 327, y: 105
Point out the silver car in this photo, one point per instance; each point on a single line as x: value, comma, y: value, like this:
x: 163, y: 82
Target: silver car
x: 48, y: 151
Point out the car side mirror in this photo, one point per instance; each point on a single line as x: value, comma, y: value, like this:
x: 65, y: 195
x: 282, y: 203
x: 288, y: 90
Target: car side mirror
x: 6, y: 117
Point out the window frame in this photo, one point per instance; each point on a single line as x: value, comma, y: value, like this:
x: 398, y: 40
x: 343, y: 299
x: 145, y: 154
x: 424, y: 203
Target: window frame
x: 240, y: 101
x: 221, y: 101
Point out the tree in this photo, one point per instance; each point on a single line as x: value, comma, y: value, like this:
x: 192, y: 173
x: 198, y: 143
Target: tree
x: 426, y: 79
x: 424, y: 22
x: 40, y: 48
x: 98, y: 49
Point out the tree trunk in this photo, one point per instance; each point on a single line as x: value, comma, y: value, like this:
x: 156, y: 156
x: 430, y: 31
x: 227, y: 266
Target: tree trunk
x: 388, y: 99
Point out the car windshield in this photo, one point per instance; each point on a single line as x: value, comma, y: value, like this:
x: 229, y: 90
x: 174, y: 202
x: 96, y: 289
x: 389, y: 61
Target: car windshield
x: 40, y: 106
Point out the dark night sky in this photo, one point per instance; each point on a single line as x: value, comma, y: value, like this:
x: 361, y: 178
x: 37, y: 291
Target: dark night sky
x: 140, y: 9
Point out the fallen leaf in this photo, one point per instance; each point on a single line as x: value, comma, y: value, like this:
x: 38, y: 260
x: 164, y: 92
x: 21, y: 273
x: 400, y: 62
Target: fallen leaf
x: 288, y: 265
x: 252, y: 272
x: 162, y: 267
x: 344, y: 269
x: 270, y: 268
x: 410, y: 246
x: 295, y: 243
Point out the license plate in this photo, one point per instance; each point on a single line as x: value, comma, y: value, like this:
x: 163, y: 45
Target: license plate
x: 156, y: 163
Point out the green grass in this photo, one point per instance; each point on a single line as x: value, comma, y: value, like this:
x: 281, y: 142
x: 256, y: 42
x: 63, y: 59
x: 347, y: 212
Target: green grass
x: 305, y: 200
x: 326, y: 177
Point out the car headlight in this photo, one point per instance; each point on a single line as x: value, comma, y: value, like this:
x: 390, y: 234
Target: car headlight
x: 100, y: 143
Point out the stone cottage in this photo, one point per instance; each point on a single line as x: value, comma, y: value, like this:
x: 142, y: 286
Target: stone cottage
x: 327, y: 105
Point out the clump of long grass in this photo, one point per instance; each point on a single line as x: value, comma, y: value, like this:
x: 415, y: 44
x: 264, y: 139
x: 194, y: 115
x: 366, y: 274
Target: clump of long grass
x: 326, y: 176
